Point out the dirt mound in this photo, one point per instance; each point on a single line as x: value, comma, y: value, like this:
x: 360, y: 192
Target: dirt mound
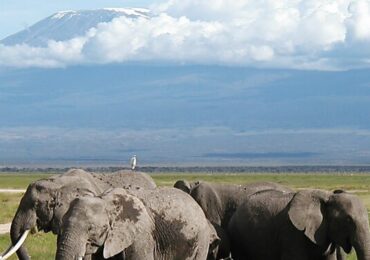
x: 12, y: 191
x: 4, y: 228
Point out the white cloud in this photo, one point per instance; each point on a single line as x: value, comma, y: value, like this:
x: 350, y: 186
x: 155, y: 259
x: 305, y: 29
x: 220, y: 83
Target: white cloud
x: 56, y: 54
x: 160, y: 38
x: 301, y: 34
x: 359, y: 21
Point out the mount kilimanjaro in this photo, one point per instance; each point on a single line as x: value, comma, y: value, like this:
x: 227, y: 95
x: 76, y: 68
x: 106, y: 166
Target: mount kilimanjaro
x: 66, y: 25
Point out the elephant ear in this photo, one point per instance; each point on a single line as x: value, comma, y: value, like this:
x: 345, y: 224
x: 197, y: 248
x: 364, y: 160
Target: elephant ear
x: 128, y: 218
x: 65, y: 194
x: 214, y: 239
x: 306, y: 214
x: 209, y: 200
x: 182, y: 185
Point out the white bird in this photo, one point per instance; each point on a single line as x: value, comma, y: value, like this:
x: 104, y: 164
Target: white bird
x: 133, y: 162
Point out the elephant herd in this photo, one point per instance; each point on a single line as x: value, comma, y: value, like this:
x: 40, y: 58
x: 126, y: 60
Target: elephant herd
x: 124, y: 215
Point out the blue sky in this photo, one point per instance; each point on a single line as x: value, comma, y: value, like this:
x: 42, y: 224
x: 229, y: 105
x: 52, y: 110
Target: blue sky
x: 15, y: 15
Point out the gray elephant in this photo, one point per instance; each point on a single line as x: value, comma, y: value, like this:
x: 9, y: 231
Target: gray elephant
x: 46, y: 201
x: 219, y: 202
x: 142, y: 225
x: 305, y: 225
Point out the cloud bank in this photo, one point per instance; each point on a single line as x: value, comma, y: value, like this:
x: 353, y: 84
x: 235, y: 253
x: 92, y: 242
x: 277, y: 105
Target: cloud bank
x: 309, y: 34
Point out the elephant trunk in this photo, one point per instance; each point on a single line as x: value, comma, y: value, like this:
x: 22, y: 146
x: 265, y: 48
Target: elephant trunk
x: 22, y: 221
x: 361, y: 243
x: 71, y: 245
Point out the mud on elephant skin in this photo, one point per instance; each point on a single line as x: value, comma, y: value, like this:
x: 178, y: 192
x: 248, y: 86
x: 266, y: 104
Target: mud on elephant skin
x: 46, y: 201
x: 141, y: 225
x: 219, y: 202
x: 307, y: 225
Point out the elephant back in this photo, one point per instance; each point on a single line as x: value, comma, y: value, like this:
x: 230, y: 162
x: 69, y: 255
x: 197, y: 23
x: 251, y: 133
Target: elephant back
x: 125, y: 179
x: 255, y: 220
x: 220, y: 201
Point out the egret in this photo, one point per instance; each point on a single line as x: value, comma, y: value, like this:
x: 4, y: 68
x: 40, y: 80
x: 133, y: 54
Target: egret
x: 133, y: 162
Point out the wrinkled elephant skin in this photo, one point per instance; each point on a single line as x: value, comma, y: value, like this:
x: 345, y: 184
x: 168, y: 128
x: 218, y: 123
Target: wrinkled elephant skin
x: 219, y: 202
x: 141, y: 225
x: 306, y: 225
x: 46, y: 201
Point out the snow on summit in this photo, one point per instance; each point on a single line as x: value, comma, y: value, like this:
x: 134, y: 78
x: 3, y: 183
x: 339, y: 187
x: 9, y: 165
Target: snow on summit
x: 61, y: 14
x: 130, y: 11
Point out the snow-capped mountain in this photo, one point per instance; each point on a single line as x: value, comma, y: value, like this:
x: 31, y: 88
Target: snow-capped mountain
x: 65, y: 25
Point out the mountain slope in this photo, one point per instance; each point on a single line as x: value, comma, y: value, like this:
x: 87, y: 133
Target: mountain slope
x: 65, y: 25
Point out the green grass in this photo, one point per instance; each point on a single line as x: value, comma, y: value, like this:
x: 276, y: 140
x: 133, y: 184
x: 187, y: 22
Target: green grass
x: 9, y: 204
x: 312, y: 180
x: 42, y: 246
x: 19, y: 181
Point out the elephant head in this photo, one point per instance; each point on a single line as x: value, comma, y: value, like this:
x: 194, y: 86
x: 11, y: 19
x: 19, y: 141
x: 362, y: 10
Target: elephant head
x: 110, y: 222
x: 185, y: 186
x: 211, y: 201
x: 338, y: 218
x: 46, y: 201
x: 206, y: 196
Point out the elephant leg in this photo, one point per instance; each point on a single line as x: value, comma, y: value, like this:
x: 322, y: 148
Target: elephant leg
x: 337, y: 254
x: 293, y: 256
x: 331, y: 257
x: 224, y: 246
x: 100, y: 256
x: 237, y: 255
x: 293, y: 248
x: 341, y: 255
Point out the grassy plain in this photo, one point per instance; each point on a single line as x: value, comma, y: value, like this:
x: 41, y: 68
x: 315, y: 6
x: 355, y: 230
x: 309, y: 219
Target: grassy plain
x: 19, y: 181
x: 9, y: 204
x: 42, y: 246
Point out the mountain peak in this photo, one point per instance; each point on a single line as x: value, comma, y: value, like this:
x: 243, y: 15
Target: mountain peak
x: 130, y: 11
x: 61, y: 14
x: 65, y: 25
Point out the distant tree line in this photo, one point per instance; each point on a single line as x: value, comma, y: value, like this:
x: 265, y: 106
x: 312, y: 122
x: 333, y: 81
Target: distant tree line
x: 204, y: 169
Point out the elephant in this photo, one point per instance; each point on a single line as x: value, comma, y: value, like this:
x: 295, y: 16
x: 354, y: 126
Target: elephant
x: 307, y: 225
x: 219, y: 202
x: 139, y: 224
x: 47, y: 200
x: 185, y: 186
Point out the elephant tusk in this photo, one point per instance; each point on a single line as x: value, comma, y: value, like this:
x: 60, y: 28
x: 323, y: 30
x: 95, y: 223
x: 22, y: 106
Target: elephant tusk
x: 6, y: 251
x: 16, y: 246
